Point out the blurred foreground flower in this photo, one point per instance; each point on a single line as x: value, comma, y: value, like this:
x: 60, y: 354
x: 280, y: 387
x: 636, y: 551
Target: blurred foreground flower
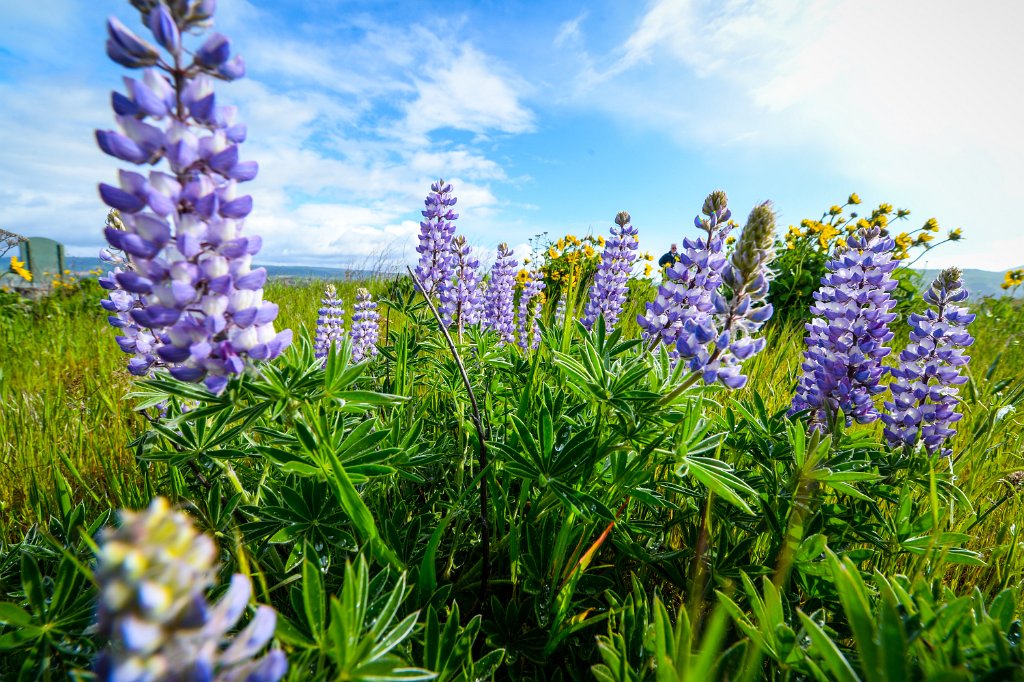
x: 18, y: 268
x: 188, y: 264
x: 153, y: 573
x: 924, y: 387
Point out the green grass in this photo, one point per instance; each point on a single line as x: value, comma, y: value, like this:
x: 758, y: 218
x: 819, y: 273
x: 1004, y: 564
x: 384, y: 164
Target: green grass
x: 63, y: 403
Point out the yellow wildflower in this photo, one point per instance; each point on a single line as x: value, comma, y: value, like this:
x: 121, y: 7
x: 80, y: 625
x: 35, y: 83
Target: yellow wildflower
x: 923, y: 238
x: 835, y: 210
x: 955, y: 235
x: 588, y: 251
x: 523, y: 276
x: 600, y: 240
x: 18, y: 268
x: 730, y: 240
x: 931, y: 225
x: 1012, y: 278
x: 902, y: 213
x: 854, y: 199
x: 647, y: 269
x: 553, y: 253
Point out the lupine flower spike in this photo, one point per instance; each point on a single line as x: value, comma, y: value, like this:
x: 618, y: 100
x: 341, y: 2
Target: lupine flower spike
x: 736, y: 320
x: 330, y: 325
x: 188, y: 268
x: 365, y: 326
x: 436, y: 264
x: 153, y: 573
x: 608, y: 292
x: 925, y: 383
x: 846, y: 340
x: 531, y: 302
x: 462, y: 303
x: 685, y: 295
x: 560, y: 311
x: 499, y: 301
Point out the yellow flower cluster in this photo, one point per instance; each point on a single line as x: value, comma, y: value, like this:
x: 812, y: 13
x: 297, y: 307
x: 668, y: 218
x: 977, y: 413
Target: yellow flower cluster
x: 903, y: 244
x: 1013, y: 279
x: 18, y: 268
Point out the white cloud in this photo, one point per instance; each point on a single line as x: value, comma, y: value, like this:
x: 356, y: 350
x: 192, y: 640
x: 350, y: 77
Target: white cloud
x: 913, y: 102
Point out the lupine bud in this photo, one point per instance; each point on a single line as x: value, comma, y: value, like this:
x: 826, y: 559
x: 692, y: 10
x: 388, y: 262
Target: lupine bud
x: 186, y: 260
x: 499, y: 300
x: 153, y: 573
x: 925, y: 383
x: 560, y: 311
x: 461, y: 303
x: 330, y: 324
x: 846, y: 339
x: 608, y: 292
x: 528, y: 312
x: 738, y: 318
x: 436, y: 266
x: 365, y: 326
x: 684, y: 299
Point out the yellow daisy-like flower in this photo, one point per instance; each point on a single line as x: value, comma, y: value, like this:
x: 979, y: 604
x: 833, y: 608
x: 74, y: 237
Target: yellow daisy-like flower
x: 589, y: 251
x: 841, y: 242
x: 931, y: 225
x: 923, y: 238
x: 18, y: 268
x: 835, y: 210
x: 553, y: 252
x: 902, y: 213
x: 560, y: 243
x: 522, y: 276
x: 854, y: 199
x: 730, y: 240
x: 863, y: 224
x: 956, y: 235
x: 880, y: 220
x: 1012, y: 278
x: 647, y: 269
x: 600, y: 240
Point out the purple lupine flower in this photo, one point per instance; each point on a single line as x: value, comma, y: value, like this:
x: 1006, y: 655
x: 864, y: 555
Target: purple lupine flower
x: 736, y: 320
x: 436, y: 264
x: 499, y: 301
x: 531, y: 301
x: 684, y: 296
x: 560, y: 311
x: 608, y: 292
x: 365, y: 326
x: 132, y: 338
x: 153, y: 573
x: 842, y: 365
x: 925, y: 383
x: 461, y: 303
x: 190, y: 264
x: 330, y: 325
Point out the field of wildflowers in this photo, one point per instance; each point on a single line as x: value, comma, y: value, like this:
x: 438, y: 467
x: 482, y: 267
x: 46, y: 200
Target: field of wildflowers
x: 774, y: 461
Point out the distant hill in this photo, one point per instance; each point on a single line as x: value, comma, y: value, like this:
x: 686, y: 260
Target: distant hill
x: 979, y: 283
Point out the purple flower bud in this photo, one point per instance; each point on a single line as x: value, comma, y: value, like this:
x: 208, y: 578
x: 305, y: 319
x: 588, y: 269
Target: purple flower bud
x: 161, y: 23
x: 127, y: 49
x: 330, y: 325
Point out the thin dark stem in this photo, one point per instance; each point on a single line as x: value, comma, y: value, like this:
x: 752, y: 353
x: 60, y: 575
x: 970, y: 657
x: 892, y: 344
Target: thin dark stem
x: 485, y: 530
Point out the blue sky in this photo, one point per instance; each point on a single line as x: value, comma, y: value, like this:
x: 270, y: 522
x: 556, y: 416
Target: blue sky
x: 552, y: 117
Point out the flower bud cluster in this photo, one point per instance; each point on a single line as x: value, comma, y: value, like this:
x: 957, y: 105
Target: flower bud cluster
x: 684, y: 298
x: 365, y: 326
x: 925, y: 383
x: 531, y: 302
x: 499, y: 298
x: 330, y: 325
x: 608, y: 292
x: 190, y: 264
x: 733, y: 327
x: 436, y: 264
x: 153, y: 573
x: 842, y: 366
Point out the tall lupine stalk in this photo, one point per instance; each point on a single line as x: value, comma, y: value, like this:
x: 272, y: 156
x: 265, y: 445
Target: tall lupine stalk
x: 531, y: 301
x: 330, y: 323
x: 499, y: 299
x: 436, y: 264
x: 190, y: 265
x: 461, y: 304
x: 925, y: 383
x: 684, y: 297
x: 365, y: 326
x: 842, y: 366
x: 608, y: 292
x: 560, y: 311
x: 738, y: 318
x: 153, y: 573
